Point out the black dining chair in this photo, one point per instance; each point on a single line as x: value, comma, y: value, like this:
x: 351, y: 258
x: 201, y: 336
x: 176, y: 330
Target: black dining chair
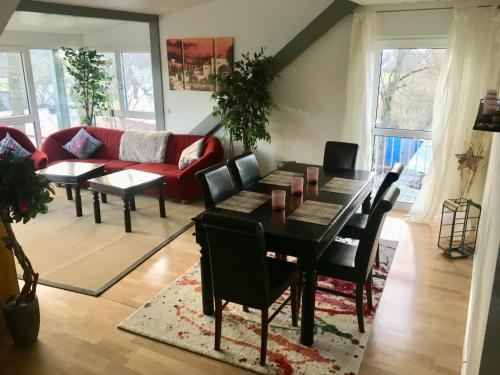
x: 243, y: 274
x: 245, y: 170
x: 339, y: 155
x: 216, y: 184
x: 356, y: 225
x: 354, y: 263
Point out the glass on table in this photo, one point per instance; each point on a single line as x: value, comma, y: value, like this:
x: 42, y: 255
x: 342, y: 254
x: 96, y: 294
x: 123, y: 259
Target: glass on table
x: 278, y: 200
x: 312, y: 175
x: 297, y: 186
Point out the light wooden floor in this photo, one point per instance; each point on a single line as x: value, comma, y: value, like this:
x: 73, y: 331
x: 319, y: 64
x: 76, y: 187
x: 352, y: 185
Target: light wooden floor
x: 419, y: 327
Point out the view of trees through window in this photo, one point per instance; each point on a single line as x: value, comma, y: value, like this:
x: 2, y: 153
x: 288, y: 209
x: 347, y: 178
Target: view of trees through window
x: 47, y: 85
x: 407, y: 85
x: 13, y: 93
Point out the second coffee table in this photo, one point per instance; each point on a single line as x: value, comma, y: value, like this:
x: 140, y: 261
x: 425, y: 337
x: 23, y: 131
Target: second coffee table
x: 126, y: 184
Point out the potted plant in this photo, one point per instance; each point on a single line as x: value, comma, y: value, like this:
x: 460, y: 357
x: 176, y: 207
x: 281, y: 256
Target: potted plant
x: 91, y: 81
x: 23, y: 195
x: 243, y: 99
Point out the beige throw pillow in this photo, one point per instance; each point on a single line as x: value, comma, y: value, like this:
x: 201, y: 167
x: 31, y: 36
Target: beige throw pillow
x: 191, y: 153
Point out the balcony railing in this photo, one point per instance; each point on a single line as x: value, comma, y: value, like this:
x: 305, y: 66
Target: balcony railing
x: 414, y: 153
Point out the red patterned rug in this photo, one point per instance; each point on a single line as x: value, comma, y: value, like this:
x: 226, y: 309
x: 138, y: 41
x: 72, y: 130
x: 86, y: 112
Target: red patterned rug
x: 174, y: 317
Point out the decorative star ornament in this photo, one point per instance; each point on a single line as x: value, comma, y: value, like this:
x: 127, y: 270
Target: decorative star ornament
x: 468, y: 160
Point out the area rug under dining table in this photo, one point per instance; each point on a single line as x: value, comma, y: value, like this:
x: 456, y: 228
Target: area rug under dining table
x: 175, y: 317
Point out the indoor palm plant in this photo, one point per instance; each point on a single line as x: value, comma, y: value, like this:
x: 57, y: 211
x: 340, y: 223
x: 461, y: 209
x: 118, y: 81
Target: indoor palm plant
x: 91, y: 81
x: 23, y: 195
x: 243, y: 99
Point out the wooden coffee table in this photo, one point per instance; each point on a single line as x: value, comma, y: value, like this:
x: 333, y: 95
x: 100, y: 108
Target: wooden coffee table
x: 73, y: 175
x: 126, y: 184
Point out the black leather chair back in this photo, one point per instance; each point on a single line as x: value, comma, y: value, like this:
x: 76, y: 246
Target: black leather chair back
x: 391, y: 177
x: 245, y: 170
x: 216, y: 184
x: 238, y: 259
x: 340, y: 155
x: 367, y: 249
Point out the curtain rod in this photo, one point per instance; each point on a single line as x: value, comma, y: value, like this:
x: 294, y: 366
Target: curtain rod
x: 420, y: 9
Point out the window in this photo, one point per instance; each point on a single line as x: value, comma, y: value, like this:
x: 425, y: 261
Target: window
x: 13, y: 92
x: 138, y: 82
x: 402, y: 130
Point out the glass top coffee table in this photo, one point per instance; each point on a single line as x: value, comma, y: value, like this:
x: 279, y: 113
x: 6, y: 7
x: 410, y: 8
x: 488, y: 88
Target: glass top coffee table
x: 73, y: 174
x: 126, y: 184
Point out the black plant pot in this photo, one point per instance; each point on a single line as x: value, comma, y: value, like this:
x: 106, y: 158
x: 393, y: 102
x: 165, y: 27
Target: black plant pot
x: 23, y: 321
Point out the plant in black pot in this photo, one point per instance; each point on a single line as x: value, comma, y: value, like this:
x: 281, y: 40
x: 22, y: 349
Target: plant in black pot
x: 243, y: 99
x: 23, y: 195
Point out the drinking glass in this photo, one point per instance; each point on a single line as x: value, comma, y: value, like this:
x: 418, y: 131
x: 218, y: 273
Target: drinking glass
x: 312, y: 175
x: 278, y: 199
x: 297, y: 186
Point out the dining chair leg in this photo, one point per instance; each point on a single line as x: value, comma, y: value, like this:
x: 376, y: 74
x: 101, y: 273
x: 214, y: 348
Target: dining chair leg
x: 369, y: 283
x: 359, y: 307
x: 245, y: 308
x: 218, y: 322
x: 294, y: 301
x: 263, y: 337
x: 377, y: 256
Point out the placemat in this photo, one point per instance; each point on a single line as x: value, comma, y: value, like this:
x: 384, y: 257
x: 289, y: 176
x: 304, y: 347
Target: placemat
x: 281, y: 178
x: 244, y: 201
x: 316, y: 212
x: 343, y: 185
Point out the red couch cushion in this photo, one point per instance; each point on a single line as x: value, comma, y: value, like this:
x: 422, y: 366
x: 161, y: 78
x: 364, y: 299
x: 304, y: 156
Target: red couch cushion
x: 110, y: 165
x: 171, y: 172
x: 176, y: 144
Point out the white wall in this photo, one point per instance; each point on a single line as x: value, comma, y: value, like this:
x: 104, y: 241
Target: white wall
x: 40, y: 40
x: 311, y: 91
x: 127, y: 36
x: 485, y: 258
x: 253, y: 24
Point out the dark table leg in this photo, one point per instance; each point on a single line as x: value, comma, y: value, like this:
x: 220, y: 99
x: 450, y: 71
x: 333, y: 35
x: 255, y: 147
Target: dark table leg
x: 126, y: 214
x: 206, y: 273
x: 104, y: 198
x: 78, y: 201
x: 69, y: 193
x: 366, y: 206
x: 132, y: 203
x: 97, y: 208
x: 161, y: 202
x: 308, y: 302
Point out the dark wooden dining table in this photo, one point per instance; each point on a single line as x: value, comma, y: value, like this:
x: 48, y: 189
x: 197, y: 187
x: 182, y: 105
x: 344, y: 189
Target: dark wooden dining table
x: 303, y: 240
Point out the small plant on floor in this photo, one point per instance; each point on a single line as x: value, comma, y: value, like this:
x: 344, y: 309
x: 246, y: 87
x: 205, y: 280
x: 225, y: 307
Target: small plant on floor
x: 23, y: 195
x: 243, y: 99
x: 91, y: 81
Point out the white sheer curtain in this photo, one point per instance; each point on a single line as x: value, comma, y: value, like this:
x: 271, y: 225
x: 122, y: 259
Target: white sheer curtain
x: 359, y: 108
x: 470, y: 67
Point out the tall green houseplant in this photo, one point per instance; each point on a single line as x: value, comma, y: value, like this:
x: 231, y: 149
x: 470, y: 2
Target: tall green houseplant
x: 91, y: 81
x: 243, y: 99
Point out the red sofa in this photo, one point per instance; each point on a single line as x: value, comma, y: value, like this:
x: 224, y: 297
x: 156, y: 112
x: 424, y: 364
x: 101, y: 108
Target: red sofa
x: 38, y: 157
x: 180, y: 184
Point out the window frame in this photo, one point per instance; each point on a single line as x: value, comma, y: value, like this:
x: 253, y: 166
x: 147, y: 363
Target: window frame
x: 123, y: 111
x: 398, y: 43
x: 29, y: 83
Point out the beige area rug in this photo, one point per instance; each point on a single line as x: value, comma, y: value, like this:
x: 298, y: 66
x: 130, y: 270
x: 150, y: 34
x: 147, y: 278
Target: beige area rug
x: 77, y: 254
x: 175, y: 317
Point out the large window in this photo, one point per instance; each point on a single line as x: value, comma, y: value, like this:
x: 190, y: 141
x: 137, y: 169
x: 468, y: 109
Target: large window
x: 36, y: 97
x: 402, y: 130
